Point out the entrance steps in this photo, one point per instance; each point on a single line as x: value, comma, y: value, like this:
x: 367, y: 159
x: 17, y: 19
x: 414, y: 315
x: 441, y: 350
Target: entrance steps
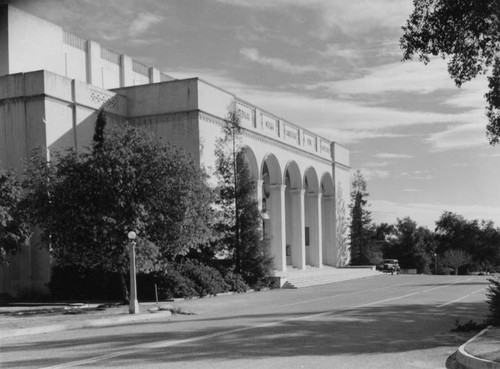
x: 312, y: 276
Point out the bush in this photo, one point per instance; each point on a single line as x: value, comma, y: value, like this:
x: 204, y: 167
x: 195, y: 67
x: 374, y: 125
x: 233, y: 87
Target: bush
x: 174, y: 284
x: 208, y: 280
x: 189, y: 279
x: 493, y: 299
x: 235, y: 282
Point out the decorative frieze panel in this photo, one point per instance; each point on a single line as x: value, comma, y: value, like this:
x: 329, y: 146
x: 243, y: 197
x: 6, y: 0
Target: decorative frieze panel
x: 325, y: 147
x: 291, y: 133
x: 246, y: 115
x: 270, y: 124
x: 309, y: 141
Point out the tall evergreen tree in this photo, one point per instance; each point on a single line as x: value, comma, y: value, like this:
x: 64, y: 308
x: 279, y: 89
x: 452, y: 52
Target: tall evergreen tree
x: 239, y: 220
x: 360, y: 221
x: 100, y: 126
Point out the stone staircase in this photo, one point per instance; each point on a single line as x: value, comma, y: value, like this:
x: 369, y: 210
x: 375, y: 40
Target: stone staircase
x: 312, y: 276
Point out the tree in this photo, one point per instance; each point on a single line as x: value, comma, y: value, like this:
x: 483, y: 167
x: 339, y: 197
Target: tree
x: 341, y: 229
x: 100, y: 126
x: 455, y: 258
x: 14, y: 229
x: 468, y: 31
x: 412, y: 245
x: 85, y: 203
x: 256, y: 263
x: 360, y: 221
x: 239, y: 221
x: 479, y: 239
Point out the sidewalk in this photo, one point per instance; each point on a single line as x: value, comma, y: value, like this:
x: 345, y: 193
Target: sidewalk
x: 481, y: 352
x: 28, y: 319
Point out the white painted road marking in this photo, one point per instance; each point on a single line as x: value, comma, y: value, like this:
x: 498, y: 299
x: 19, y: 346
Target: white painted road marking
x: 461, y: 298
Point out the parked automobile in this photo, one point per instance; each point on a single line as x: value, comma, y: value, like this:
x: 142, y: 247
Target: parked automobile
x: 391, y: 266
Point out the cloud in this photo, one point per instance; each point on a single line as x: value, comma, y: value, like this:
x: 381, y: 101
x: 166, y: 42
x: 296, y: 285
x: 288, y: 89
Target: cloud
x: 352, y: 17
x: 143, y: 22
x: 471, y: 94
x: 418, y: 174
x: 412, y: 190
x: 281, y: 65
x: 388, y: 155
x: 426, y: 214
x: 492, y: 155
x: 376, y: 164
x: 370, y: 174
x: 393, y: 77
x: 459, y: 137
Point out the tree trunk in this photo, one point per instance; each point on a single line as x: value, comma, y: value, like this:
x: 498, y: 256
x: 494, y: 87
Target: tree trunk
x: 456, y: 271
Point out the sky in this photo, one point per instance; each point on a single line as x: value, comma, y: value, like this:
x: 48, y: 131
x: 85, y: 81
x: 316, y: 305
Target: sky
x: 331, y: 66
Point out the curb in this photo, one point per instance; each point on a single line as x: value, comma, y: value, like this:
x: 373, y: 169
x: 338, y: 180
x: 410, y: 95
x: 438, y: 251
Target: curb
x: 473, y: 362
x: 103, y: 322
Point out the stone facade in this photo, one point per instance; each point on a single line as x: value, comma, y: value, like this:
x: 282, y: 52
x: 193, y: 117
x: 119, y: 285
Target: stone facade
x: 51, y: 101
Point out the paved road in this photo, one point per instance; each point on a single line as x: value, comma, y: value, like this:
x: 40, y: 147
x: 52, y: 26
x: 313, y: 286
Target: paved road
x: 379, y: 322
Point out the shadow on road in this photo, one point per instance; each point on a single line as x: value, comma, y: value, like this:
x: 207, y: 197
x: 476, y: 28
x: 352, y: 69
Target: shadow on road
x: 380, y: 329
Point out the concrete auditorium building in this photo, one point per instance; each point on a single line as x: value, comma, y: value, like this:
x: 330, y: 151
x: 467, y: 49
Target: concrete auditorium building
x: 53, y: 82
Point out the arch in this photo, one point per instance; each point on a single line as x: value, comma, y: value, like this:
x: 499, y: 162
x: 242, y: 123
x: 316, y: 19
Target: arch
x: 291, y: 176
x: 311, y: 184
x: 271, y: 165
x: 327, y: 187
x: 250, y: 160
x: 273, y: 201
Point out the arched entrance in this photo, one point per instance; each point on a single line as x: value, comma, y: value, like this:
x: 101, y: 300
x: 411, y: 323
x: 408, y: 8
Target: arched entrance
x: 273, y: 203
x: 294, y: 213
x: 250, y: 161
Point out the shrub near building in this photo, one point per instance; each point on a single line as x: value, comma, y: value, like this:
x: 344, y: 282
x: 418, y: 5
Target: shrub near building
x: 85, y: 203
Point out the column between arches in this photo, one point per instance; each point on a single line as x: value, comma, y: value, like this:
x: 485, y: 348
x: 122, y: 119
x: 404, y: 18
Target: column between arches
x: 315, y: 230
x: 276, y: 208
x: 296, y: 216
x: 328, y: 230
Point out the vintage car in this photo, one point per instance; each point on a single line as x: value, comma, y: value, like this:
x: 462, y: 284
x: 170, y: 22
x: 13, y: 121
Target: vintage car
x: 391, y: 266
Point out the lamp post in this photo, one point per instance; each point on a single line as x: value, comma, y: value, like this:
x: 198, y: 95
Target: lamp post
x: 133, y: 303
x: 435, y: 263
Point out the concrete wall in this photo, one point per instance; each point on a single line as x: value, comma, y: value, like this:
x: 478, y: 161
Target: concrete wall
x: 161, y: 98
x: 46, y: 109
x: 4, y: 41
x: 31, y: 36
x: 53, y: 112
x: 23, y: 35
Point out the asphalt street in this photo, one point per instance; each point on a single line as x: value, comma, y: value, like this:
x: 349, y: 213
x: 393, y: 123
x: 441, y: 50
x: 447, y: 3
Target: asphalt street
x: 386, y: 321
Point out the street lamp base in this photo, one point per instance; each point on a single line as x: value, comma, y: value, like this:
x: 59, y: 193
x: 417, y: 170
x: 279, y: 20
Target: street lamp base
x: 133, y: 307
